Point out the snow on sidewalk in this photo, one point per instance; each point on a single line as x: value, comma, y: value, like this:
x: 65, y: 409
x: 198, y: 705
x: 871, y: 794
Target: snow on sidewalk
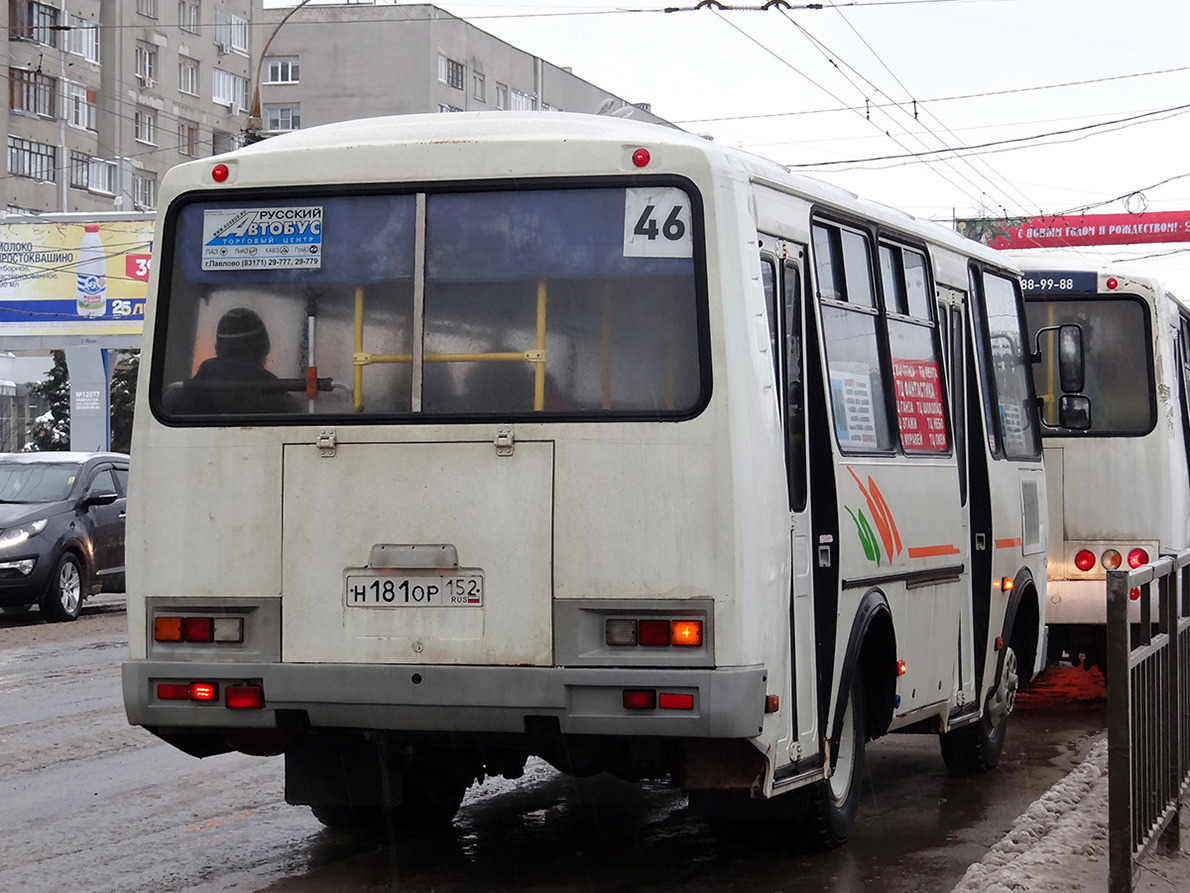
x: 1059, y: 844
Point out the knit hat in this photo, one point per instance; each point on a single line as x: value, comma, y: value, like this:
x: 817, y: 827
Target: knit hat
x: 241, y: 335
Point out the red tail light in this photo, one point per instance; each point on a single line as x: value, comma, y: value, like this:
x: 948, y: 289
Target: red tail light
x: 1084, y: 560
x: 675, y: 701
x: 203, y: 691
x: 198, y: 629
x: 1137, y: 557
x: 654, y: 632
x: 244, y: 697
x: 640, y: 699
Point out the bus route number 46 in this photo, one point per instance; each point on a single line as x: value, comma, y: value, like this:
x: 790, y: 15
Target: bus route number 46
x: 657, y: 223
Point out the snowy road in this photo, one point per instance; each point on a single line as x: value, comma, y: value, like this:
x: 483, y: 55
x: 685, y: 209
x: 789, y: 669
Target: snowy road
x: 91, y: 804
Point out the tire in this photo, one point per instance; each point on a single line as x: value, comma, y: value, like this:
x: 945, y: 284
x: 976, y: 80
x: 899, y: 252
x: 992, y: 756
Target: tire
x: 63, y: 597
x: 431, y: 795
x: 833, y: 803
x: 976, y: 748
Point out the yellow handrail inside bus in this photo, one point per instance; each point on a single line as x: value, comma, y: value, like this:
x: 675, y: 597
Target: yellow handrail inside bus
x: 361, y: 358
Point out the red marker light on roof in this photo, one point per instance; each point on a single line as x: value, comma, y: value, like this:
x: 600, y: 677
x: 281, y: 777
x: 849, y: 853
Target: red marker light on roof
x: 641, y: 157
x: 1112, y: 284
x: 220, y: 172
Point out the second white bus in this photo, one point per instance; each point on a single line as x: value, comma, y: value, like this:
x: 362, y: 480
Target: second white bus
x: 1119, y: 490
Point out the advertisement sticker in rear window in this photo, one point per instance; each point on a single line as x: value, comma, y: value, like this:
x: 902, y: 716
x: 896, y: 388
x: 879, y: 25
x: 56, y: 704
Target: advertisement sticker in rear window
x: 262, y: 238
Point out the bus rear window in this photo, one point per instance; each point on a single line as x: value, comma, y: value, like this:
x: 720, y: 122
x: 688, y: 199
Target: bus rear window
x: 512, y: 304
x: 1119, y: 367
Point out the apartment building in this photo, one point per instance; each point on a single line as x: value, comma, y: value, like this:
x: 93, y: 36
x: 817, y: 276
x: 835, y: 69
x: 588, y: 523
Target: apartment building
x: 332, y: 63
x: 105, y: 95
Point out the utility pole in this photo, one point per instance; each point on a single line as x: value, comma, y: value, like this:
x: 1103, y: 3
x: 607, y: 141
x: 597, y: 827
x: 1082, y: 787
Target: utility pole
x: 254, y: 132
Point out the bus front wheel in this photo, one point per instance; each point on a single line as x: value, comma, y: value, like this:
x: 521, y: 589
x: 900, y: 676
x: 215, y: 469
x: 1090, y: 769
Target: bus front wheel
x: 832, y: 804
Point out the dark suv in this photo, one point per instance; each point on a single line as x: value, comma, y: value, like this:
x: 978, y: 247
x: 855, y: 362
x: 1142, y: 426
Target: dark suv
x: 61, y: 529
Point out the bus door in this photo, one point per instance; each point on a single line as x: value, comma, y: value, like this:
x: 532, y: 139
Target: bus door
x: 899, y: 544
x: 782, y: 273
x: 953, y: 327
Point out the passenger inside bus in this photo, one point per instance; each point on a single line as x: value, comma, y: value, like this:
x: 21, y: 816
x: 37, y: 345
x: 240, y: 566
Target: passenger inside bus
x: 235, y: 380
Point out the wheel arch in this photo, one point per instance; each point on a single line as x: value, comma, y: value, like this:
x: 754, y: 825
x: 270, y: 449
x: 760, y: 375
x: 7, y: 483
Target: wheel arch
x: 1022, y: 630
x: 872, y: 657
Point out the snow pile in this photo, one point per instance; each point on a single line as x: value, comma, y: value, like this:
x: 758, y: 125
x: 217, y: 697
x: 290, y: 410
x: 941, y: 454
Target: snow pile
x: 1058, y: 844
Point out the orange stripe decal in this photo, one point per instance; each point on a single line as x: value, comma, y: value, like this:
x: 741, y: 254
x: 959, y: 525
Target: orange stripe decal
x: 932, y: 551
x: 1013, y: 543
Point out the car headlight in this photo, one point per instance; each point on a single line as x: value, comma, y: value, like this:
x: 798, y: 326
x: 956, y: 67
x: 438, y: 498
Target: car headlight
x: 14, y: 536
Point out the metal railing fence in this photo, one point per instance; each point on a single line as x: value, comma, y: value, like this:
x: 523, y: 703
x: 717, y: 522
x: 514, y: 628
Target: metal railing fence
x: 1148, y: 704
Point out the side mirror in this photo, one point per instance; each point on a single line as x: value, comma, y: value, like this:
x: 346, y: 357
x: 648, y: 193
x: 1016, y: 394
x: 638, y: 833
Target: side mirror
x: 100, y: 497
x: 1071, y: 366
x: 1074, y: 412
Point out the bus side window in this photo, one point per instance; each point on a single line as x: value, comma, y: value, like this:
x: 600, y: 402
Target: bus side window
x: 1184, y: 368
x: 795, y: 414
x: 915, y: 353
x: 768, y: 278
x: 850, y: 324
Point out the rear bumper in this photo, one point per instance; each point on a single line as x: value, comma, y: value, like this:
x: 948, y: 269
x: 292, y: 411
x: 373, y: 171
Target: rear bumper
x: 727, y: 703
x: 1082, y: 602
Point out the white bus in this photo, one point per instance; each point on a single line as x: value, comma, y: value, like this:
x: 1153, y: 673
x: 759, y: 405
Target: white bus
x: 1119, y: 491
x: 468, y: 438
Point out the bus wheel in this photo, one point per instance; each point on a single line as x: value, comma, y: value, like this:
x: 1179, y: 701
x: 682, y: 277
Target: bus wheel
x: 833, y: 803
x: 430, y: 798
x: 977, y: 747
x: 432, y: 792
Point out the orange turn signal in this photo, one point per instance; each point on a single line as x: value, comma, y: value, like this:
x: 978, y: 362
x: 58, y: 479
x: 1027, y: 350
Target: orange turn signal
x: 685, y: 632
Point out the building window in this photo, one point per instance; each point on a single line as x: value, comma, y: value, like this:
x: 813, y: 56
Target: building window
x: 144, y: 192
x: 102, y: 176
x: 146, y: 65
x: 33, y: 21
x: 450, y: 72
x: 80, y: 169
x: 31, y: 91
x: 92, y: 174
x: 83, y: 39
x: 501, y: 95
x: 188, y: 16
x: 144, y: 126
x: 80, y: 105
x: 443, y: 107
x: 231, y: 32
x: 481, y: 86
x: 187, y: 76
x: 187, y: 138
x: 521, y: 102
x: 147, y: 8
x: 284, y: 117
x: 283, y: 71
x: 229, y: 89
x: 29, y: 159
